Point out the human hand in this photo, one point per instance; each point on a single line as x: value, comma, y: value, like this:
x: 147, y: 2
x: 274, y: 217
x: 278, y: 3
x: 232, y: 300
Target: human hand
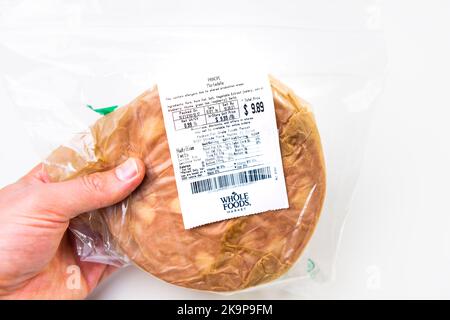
x: 35, y: 247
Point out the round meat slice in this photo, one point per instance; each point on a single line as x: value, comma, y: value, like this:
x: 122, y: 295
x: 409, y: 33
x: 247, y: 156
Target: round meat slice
x: 148, y: 227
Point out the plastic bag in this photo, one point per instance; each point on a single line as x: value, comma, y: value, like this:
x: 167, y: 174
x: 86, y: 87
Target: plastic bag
x: 75, y: 56
x: 148, y: 227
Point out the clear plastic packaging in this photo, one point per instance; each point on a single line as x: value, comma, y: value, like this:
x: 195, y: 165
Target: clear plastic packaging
x: 73, y: 60
x: 147, y: 228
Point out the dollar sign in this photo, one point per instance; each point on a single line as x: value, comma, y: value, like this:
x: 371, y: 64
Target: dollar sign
x: 245, y: 108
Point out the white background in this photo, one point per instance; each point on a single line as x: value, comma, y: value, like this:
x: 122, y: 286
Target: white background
x: 396, y: 241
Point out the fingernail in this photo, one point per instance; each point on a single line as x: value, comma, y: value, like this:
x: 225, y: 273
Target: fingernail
x: 127, y: 170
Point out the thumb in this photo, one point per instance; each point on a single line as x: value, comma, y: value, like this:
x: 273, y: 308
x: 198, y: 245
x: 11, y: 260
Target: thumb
x: 94, y: 191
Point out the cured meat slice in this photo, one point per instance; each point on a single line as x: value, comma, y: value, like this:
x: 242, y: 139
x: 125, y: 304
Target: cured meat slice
x: 148, y: 227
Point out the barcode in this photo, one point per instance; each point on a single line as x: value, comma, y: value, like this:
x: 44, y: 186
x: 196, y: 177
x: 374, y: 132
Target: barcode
x: 234, y: 179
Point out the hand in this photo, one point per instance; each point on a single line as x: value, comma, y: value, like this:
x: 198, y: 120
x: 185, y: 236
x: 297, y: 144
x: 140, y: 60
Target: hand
x: 35, y: 248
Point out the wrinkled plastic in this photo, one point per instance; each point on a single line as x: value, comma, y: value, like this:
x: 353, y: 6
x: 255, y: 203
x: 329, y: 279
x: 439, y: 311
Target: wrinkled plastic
x: 148, y: 228
x: 330, y: 54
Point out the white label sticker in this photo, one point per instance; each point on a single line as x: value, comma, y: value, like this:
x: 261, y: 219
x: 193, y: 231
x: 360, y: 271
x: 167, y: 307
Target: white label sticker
x: 224, y: 146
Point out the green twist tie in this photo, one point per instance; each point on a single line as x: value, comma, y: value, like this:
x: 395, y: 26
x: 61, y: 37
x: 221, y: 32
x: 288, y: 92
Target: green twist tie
x: 103, y: 111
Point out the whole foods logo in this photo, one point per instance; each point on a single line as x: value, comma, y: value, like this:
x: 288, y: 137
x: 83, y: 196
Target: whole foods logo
x: 235, y: 202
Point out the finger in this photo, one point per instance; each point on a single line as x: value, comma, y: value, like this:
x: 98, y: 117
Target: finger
x: 37, y: 174
x: 95, y: 273
x: 98, y: 190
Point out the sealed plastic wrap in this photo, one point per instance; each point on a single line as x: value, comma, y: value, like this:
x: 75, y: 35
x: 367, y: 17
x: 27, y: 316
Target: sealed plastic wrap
x: 148, y: 227
x: 335, y: 64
